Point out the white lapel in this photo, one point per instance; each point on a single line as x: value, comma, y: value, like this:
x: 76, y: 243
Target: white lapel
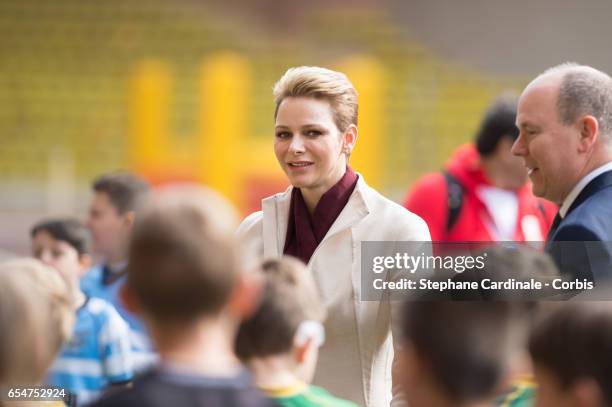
x: 355, y: 209
x: 275, y: 218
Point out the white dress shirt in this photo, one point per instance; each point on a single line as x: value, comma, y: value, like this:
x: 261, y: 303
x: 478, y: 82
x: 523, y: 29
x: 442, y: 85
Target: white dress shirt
x: 571, y: 197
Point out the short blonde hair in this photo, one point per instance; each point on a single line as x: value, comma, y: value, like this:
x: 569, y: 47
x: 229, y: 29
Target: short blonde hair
x: 36, y: 318
x: 320, y: 83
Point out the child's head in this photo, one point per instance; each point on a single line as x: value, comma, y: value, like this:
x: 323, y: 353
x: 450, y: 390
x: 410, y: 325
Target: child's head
x: 36, y: 318
x: 572, y: 353
x: 521, y: 263
x: 62, y: 244
x: 183, y: 259
x: 288, y: 321
x: 117, y: 197
x: 458, y: 351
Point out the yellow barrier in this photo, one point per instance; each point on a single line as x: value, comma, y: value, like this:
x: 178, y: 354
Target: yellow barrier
x: 225, y: 89
x: 150, y: 106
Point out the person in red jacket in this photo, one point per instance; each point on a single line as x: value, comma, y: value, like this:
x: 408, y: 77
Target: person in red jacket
x: 483, y: 192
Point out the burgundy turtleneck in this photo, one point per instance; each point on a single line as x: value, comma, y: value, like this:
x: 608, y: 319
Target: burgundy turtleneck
x: 305, y: 232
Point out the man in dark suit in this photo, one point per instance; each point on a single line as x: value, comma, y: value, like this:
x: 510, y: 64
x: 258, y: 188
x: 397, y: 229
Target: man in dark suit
x: 565, y: 122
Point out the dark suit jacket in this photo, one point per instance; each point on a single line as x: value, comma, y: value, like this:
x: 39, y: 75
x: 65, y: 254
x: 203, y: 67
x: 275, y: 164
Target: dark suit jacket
x: 581, y: 245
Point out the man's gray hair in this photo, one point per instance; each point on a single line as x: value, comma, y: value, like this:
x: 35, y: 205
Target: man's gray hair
x: 584, y: 91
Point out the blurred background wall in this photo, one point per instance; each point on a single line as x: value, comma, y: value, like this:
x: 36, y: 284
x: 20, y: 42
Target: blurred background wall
x: 181, y: 90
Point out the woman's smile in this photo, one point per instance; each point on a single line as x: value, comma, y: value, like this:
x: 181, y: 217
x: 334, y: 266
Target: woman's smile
x: 308, y: 144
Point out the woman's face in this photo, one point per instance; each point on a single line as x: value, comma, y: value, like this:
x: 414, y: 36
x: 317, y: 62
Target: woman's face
x: 308, y: 145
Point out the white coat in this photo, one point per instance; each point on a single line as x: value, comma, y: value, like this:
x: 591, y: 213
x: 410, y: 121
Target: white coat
x: 355, y: 361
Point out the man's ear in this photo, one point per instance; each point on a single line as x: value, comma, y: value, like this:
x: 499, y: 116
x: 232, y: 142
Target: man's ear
x: 589, y: 133
x: 244, y: 299
x: 128, y: 299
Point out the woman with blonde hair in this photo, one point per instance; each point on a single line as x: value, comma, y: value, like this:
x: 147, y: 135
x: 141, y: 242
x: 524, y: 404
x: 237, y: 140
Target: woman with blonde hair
x: 322, y: 219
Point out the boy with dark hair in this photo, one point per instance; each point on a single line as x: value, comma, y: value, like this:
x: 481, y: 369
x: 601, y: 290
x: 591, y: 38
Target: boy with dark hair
x: 116, y: 200
x: 280, y: 342
x: 98, y: 353
x: 455, y: 353
x: 185, y: 281
x: 572, y: 353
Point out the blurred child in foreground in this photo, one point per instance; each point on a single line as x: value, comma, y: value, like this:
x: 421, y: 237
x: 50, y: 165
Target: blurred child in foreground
x: 36, y: 317
x: 186, y: 282
x: 571, y: 349
x: 280, y: 342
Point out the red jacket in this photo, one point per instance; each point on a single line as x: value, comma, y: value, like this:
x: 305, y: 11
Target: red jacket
x: 428, y: 198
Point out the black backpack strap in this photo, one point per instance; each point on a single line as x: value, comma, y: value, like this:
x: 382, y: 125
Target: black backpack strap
x: 455, y: 199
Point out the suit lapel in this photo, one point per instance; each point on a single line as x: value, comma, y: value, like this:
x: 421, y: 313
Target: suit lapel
x: 354, y: 210
x: 600, y: 182
x: 597, y: 184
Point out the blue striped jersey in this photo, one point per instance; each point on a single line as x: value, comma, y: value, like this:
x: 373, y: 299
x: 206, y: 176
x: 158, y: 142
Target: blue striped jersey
x: 142, y: 349
x: 97, y: 355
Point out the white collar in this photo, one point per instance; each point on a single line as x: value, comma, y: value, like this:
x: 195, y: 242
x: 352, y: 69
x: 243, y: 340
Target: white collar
x: 571, y: 197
